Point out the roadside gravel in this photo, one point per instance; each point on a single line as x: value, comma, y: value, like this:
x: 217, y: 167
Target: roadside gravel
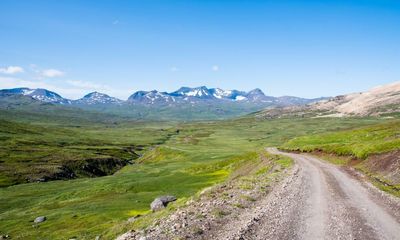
x: 325, y: 202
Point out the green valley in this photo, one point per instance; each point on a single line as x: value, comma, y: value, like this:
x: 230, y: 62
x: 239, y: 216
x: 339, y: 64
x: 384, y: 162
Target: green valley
x: 174, y: 158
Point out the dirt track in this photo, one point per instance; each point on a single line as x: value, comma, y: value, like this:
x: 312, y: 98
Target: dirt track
x: 323, y: 202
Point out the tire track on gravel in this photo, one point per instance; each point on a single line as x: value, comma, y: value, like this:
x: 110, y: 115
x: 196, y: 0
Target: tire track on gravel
x: 324, y: 202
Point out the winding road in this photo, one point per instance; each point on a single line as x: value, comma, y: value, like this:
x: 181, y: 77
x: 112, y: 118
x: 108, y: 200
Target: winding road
x: 322, y: 201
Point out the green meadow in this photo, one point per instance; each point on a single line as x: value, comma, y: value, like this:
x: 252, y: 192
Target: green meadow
x: 359, y: 143
x: 342, y: 146
x: 30, y: 151
x: 176, y: 158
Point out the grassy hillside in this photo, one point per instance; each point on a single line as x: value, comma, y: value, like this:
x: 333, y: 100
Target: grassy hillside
x: 38, y: 152
x: 374, y: 150
x: 200, y: 155
x: 360, y: 142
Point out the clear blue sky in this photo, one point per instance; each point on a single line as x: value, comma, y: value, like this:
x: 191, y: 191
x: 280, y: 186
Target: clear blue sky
x: 301, y: 48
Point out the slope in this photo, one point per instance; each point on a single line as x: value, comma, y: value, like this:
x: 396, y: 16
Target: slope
x: 373, y: 150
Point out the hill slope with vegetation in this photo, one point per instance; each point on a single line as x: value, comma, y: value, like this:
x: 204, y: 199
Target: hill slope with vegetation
x: 31, y: 152
x: 374, y: 150
x: 359, y: 143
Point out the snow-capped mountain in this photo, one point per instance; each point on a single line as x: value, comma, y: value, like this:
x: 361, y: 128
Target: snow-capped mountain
x: 43, y: 95
x: 189, y: 95
x: 220, y: 93
x: 199, y: 92
x: 209, y: 93
x: 96, y: 98
x: 229, y: 94
x: 151, y: 97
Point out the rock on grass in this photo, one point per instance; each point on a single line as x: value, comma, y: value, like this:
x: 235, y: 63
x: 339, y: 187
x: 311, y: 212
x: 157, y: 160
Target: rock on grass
x: 161, y: 202
x: 40, y: 219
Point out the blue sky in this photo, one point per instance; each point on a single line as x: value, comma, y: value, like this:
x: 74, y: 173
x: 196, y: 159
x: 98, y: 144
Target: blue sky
x: 301, y: 48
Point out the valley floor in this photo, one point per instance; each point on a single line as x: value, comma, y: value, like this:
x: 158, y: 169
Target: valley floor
x: 316, y: 200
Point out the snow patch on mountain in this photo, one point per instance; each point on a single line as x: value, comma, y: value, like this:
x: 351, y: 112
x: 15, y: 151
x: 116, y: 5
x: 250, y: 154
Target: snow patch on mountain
x: 43, y: 95
x: 240, y: 98
x: 27, y: 91
x: 95, y: 98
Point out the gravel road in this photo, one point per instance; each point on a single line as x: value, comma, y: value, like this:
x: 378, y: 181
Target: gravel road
x: 322, y: 201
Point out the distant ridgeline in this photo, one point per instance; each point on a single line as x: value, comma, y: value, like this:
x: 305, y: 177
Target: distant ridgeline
x: 383, y: 101
x: 184, y: 104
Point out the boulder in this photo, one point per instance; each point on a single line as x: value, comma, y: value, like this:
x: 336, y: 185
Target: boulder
x: 161, y: 202
x: 40, y: 219
x: 157, y: 205
x: 167, y: 199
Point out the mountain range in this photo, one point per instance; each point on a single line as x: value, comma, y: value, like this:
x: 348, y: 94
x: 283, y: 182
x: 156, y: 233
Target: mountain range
x: 199, y: 103
x: 180, y: 96
x: 202, y: 103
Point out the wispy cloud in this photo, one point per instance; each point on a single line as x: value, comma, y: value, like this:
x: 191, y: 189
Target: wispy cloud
x: 215, y: 68
x: 11, y: 70
x: 52, y: 73
x: 115, y: 22
x: 11, y: 82
x: 46, y: 73
x: 174, y: 69
x: 38, y: 77
x: 88, y: 85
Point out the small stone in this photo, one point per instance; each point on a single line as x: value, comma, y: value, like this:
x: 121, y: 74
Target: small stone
x: 132, y: 219
x: 40, y: 219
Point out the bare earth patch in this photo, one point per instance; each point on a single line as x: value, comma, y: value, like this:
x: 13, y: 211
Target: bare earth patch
x: 387, y: 165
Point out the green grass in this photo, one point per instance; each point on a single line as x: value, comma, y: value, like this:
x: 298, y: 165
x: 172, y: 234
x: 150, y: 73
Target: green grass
x: 337, y: 160
x: 202, y: 154
x: 341, y: 146
x: 359, y: 143
x: 34, y: 151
